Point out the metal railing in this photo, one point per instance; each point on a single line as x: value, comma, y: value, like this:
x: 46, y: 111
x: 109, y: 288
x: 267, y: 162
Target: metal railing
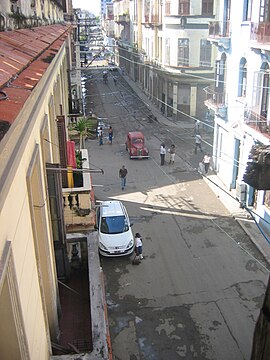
x: 215, y: 98
x: 218, y: 29
x: 260, y: 32
x: 257, y: 121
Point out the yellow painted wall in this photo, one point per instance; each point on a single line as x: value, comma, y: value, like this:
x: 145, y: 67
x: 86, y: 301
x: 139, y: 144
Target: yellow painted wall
x: 15, y: 215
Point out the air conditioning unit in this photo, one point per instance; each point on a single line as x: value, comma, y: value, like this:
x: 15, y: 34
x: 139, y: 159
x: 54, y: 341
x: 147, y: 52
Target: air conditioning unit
x: 241, y: 192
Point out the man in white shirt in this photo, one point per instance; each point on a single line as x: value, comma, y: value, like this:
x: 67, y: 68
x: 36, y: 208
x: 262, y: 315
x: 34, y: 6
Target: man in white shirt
x: 162, y: 154
x: 206, y: 162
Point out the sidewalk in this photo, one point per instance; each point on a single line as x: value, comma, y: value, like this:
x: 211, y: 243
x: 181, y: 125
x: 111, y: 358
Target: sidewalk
x: 230, y: 202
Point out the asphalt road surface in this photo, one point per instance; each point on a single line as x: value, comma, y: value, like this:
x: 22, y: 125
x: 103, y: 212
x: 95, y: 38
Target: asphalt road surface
x: 197, y: 293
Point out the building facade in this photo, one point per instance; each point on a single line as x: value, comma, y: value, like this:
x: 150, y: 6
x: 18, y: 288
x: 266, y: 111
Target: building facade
x: 15, y: 14
x: 240, y: 95
x: 35, y: 59
x: 164, y: 47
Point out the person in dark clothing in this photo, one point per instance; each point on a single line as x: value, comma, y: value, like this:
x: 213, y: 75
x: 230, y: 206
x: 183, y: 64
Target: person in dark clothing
x: 123, y: 176
x: 101, y: 137
x: 110, y: 134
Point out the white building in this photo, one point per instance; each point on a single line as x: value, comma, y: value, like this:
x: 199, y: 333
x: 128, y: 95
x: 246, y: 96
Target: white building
x: 164, y: 46
x: 240, y: 95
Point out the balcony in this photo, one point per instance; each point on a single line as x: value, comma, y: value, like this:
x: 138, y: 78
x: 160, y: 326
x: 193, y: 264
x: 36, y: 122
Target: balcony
x: 260, y: 35
x: 78, y: 202
x: 216, y: 102
x: 122, y: 19
x: 219, y: 33
x: 259, y: 123
x: 152, y: 20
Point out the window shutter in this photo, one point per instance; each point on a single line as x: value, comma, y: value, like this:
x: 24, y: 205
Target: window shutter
x: 62, y: 139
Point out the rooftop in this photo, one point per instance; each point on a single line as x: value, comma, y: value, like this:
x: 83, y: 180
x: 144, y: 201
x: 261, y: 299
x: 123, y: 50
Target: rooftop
x: 25, y: 55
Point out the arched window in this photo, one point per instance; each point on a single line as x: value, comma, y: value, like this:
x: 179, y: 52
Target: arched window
x: 242, y: 83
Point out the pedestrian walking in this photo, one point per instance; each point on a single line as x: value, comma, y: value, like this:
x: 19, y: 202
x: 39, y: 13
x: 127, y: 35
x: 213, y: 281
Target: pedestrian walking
x: 101, y: 136
x: 114, y: 80
x: 110, y: 134
x: 172, y: 154
x: 197, y: 127
x: 162, y: 154
x: 198, y: 143
x: 123, y: 176
x: 138, y: 246
x: 206, y: 162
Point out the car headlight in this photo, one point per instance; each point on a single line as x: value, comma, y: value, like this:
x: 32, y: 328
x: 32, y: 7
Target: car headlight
x: 103, y: 247
x: 130, y: 243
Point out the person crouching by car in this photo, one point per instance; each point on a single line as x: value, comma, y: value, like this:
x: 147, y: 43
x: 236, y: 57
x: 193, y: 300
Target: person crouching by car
x: 138, y: 246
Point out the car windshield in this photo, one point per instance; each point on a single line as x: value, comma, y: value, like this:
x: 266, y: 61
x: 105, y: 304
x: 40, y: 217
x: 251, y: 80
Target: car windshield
x: 137, y: 141
x: 113, y: 225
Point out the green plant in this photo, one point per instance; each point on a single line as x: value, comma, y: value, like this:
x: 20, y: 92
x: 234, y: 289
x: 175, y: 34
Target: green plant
x: 79, y: 159
x: 81, y: 127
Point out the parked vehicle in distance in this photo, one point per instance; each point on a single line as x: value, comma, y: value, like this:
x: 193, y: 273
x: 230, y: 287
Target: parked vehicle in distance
x: 114, y: 229
x: 135, y: 145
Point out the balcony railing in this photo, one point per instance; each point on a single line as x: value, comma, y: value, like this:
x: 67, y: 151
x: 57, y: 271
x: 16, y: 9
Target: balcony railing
x: 219, y: 29
x: 260, y: 32
x: 78, y: 212
x: 78, y: 202
x: 219, y: 33
x: 125, y: 18
x: 155, y: 19
x: 216, y: 101
x: 257, y: 122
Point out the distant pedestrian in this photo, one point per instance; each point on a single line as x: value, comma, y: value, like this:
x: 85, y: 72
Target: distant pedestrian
x: 98, y: 131
x: 172, y: 154
x: 114, y: 80
x: 198, y: 143
x: 197, y: 127
x: 162, y: 154
x: 138, y: 246
x: 123, y: 176
x: 101, y: 137
x: 206, y: 162
x: 110, y: 134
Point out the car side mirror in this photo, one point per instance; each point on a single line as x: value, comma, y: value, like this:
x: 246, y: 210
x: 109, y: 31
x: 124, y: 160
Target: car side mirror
x: 131, y: 224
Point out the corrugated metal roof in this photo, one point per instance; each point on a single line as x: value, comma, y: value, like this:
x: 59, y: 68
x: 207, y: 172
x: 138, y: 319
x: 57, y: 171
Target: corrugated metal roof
x: 25, y: 55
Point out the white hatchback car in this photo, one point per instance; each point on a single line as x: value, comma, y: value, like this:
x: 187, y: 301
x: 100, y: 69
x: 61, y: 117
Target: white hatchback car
x: 114, y: 229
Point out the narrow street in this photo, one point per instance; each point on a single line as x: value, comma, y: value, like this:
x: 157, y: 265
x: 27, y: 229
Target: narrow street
x: 197, y: 293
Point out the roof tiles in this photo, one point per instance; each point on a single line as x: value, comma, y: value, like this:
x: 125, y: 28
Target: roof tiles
x: 25, y: 55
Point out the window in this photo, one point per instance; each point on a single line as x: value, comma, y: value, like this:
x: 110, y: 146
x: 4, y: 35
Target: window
x: 167, y: 51
x: 205, y: 53
x: 242, y: 85
x: 114, y: 225
x: 267, y: 199
x: 183, y: 52
x: 167, y: 8
x: 183, y: 7
x: 207, y: 7
x: 220, y: 74
x: 247, y: 10
x: 264, y: 10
